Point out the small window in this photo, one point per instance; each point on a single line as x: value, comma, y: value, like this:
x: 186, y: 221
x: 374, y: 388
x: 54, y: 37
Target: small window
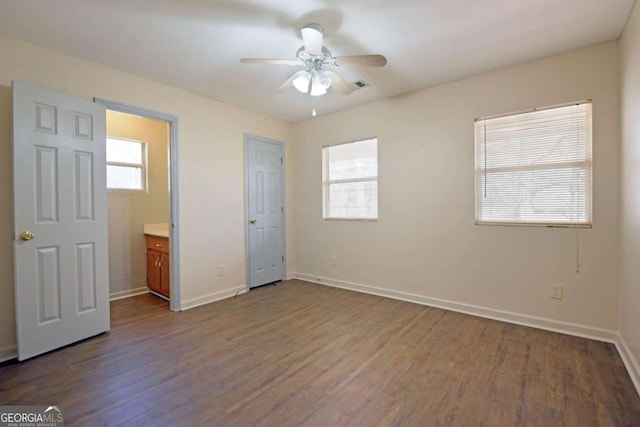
x: 126, y: 164
x: 350, y: 180
x: 535, y: 167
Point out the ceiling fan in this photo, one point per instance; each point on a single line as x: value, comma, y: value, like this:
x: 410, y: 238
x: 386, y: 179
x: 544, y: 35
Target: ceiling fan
x: 315, y: 79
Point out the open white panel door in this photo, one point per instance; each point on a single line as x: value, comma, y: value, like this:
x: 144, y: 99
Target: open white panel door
x: 60, y: 222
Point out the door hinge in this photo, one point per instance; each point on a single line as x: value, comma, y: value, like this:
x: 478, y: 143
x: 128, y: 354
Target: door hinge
x: 282, y: 209
x: 282, y: 258
x: 281, y: 160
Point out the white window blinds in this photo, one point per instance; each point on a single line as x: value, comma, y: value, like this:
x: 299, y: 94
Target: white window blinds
x: 350, y: 180
x: 535, y: 167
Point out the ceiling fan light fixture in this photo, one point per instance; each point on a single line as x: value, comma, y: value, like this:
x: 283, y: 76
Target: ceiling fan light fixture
x: 302, y: 82
x: 317, y: 90
x: 319, y: 84
x: 322, y: 80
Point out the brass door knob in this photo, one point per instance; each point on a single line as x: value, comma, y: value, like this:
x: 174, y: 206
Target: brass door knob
x: 253, y: 220
x: 26, y: 235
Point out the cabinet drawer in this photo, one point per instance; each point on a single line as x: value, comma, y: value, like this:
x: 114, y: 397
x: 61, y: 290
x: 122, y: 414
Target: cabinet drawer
x: 160, y: 244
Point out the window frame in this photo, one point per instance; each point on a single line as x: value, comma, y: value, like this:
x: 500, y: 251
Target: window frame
x: 479, y: 171
x: 142, y: 166
x: 326, y: 183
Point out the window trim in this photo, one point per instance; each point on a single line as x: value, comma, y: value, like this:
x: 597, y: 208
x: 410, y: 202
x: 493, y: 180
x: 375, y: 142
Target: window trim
x: 326, y: 205
x: 143, y: 166
x: 479, y: 171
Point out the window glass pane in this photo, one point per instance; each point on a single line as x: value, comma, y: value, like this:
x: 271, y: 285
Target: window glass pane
x: 124, y: 177
x: 353, y: 160
x: 354, y: 200
x: 539, y: 196
x: 123, y: 151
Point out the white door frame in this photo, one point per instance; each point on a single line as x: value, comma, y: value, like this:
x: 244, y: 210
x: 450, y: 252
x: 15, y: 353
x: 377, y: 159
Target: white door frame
x: 174, y: 228
x: 248, y: 136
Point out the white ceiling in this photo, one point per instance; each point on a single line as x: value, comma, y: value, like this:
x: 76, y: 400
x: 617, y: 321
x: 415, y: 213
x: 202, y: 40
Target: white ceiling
x: 196, y: 44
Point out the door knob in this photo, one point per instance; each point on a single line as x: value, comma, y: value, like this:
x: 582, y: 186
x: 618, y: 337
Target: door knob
x: 26, y: 235
x: 253, y: 220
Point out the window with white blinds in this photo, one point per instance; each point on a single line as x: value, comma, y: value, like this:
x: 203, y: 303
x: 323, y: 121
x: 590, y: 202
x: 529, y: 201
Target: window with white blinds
x: 535, y: 167
x: 350, y: 180
x: 126, y: 164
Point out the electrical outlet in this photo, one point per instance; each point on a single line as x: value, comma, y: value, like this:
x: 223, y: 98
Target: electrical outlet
x: 332, y: 261
x: 556, y: 291
x: 221, y: 270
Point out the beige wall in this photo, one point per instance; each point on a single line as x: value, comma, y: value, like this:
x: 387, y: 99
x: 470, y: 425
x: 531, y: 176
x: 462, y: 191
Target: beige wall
x: 630, y: 212
x: 211, y: 163
x: 425, y: 241
x: 129, y: 211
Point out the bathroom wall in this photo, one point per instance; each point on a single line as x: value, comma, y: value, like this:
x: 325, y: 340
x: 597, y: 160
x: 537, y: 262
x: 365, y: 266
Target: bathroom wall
x: 129, y: 210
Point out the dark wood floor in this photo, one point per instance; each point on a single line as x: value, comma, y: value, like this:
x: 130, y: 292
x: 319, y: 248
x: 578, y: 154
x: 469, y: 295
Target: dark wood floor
x: 302, y: 354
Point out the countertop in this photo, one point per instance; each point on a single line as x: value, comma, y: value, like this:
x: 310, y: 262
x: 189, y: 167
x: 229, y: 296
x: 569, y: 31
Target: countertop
x: 158, y: 230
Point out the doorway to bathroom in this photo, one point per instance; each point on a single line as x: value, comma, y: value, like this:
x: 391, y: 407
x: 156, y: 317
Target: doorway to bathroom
x: 142, y: 203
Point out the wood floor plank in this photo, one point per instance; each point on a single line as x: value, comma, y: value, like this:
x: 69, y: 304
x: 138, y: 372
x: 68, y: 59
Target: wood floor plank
x: 545, y: 394
x: 299, y: 354
x: 505, y: 397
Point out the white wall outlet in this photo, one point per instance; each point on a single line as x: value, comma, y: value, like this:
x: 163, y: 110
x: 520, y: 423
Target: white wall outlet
x: 332, y: 261
x: 221, y: 270
x: 556, y: 291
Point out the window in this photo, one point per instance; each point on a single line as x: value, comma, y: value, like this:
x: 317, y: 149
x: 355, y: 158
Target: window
x: 350, y: 180
x: 126, y: 164
x: 535, y: 167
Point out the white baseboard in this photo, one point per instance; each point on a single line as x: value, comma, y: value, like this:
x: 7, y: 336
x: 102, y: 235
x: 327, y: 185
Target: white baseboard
x: 159, y: 295
x: 8, y: 353
x: 474, y: 310
x: 128, y: 293
x: 216, y: 296
x: 291, y: 276
x: 630, y: 362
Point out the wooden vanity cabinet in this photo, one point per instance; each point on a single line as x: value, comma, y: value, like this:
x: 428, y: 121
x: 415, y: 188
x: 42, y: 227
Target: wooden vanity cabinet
x: 158, y: 265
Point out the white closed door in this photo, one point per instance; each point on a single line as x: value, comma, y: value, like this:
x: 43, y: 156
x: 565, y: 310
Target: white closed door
x: 265, y: 208
x: 60, y: 222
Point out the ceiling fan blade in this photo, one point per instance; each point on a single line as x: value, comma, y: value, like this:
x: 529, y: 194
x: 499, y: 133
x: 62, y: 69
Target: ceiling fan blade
x: 339, y: 83
x: 312, y: 38
x: 360, y: 61
x: 270, y: 61
x: 288, y: 84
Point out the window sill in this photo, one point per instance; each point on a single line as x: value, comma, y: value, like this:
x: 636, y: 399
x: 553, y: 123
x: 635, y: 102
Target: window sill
x: 352, y: 219
x: 125, y: 190
x: 534, y: 224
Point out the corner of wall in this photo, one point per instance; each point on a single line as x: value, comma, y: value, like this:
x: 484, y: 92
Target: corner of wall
x: 630, y: 362
x: 629, y: 241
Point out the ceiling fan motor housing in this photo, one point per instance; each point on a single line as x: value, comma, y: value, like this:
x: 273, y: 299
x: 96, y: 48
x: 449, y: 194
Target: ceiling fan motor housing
x: 306, y: 58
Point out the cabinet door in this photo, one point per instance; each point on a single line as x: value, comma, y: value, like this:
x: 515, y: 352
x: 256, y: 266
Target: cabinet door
x: 164, y: 275
x: 153, y: 270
